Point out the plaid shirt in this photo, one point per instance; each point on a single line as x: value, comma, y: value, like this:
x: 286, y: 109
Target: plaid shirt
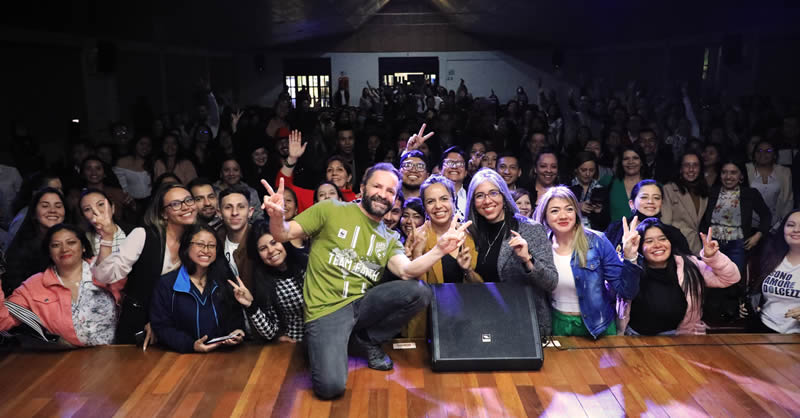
x: 290, y: 303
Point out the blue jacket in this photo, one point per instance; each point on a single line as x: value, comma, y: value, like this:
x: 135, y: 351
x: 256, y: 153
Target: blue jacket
x: 603, y: 279
x: 179, y: 315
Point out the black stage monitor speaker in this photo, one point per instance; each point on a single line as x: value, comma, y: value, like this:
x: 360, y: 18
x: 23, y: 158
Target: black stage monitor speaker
x: 484, y: 326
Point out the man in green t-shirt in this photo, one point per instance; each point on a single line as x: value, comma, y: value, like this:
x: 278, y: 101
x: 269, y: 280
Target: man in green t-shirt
x: 350, y: 248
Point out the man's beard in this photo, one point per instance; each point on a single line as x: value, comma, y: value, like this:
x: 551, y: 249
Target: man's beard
x: 367, y: 202
x: 205, y: 218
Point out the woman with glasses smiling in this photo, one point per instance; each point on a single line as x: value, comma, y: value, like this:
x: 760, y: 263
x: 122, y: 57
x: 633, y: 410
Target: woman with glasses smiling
x: 145, y: 255
x: 773, y: 181
x: 510, y: 247
x: 195, y: 304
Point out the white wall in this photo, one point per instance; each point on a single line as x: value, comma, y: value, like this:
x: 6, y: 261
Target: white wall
x: 481, y: 70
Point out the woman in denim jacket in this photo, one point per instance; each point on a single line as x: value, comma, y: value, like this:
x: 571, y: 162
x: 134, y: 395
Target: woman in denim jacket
x: 590, y: 273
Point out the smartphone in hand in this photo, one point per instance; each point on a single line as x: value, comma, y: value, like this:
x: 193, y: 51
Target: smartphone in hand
x: 224, y: 338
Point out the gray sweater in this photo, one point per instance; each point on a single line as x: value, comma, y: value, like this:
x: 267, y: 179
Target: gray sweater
x: 544, y: 276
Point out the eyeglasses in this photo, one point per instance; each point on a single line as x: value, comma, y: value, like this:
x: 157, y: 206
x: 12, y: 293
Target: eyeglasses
x: 480, y: 197
x: 453, y: 164
x: 408, y: 165
x: 204, y: 246
x: 176, y: 204
x: 764, y: 150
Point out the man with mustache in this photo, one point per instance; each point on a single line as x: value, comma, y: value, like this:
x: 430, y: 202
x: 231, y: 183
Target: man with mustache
x: 205, y: 199
x: 350, y: 249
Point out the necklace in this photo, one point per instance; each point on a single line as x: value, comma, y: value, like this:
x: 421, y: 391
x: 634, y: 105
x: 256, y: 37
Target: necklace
x: 488, y: 250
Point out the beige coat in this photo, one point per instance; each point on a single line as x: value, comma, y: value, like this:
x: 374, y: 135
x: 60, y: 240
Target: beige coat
x: 679, y: 211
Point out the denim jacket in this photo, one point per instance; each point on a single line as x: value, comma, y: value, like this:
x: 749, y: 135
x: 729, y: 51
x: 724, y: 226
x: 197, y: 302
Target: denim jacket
x: 603, y: 279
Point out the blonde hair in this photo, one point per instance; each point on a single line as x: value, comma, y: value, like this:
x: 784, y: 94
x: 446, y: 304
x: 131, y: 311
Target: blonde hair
x: 580, y: 243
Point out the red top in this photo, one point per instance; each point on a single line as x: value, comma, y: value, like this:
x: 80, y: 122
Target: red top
x: 305, y: 197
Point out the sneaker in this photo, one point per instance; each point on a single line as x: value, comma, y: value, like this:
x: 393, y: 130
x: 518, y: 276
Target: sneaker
x: 376, y: 358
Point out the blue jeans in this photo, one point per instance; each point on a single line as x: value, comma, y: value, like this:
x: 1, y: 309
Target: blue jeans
x: 735, y: 251
x: 377, y: 317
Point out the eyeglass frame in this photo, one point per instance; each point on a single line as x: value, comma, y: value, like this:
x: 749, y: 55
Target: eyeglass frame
x: 176, y: 205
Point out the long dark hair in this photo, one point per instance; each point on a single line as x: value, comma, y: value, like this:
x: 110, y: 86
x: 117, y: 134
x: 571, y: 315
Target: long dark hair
x: 772, y: 254
x: 186, y: 243
x: 699, y: 186
x: 29, y: 227
x: 694, y: 285
x: 264, y: 276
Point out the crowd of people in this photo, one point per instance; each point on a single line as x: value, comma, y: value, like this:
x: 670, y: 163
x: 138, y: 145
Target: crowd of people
x: 628, y: 212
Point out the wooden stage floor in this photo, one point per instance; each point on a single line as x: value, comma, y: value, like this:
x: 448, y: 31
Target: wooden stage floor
x: 719, y: 375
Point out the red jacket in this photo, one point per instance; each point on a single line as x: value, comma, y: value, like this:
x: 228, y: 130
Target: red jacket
x: 44, y: 295
x: 305, y: 197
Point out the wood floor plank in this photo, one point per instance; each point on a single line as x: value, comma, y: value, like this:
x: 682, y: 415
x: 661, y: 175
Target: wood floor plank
x: 721, y: 375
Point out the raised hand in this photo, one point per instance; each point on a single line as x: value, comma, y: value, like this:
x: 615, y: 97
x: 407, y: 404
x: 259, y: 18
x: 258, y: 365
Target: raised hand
x: 273, y: 200
x: 296, y: 146
x: 101, y: 220
x: 454, y: 237
x: 710, y: 247
x: 520, y: 246
x: 630, y: 238
x: 418, y: 138
x: 415, y: 243
x: 235, y: 120
x: 240, y: 292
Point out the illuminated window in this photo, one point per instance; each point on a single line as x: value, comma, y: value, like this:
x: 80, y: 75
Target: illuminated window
x: 309, y: 77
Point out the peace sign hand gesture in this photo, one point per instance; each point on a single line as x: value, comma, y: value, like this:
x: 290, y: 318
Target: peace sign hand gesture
x: 630, y: 238
x: 453, y: 238
x: 240, y: 292
x: 417, y: 139
x: 710, y: 246
x: 273, y: 201
x: 415, y: 241
x: 101, y: 220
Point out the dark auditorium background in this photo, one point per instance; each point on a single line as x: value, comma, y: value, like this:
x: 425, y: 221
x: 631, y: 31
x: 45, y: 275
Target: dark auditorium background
x: 94, y: 61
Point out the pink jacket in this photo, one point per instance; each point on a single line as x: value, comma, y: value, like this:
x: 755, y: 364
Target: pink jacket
x: 718, y: 271
x: 44, y: 295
